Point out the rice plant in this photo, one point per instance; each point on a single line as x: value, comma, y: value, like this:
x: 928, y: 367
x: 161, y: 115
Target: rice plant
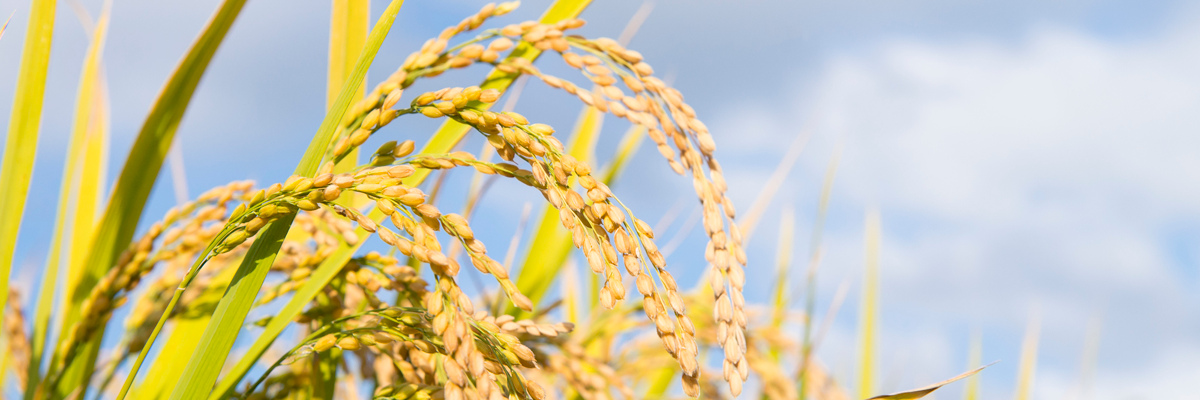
x: 394, y: 324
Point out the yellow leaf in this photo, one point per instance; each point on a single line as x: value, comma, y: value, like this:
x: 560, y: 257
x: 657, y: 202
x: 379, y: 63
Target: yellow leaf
x: 80, y: 191
x: 16, y: 168
x: 349, y: 24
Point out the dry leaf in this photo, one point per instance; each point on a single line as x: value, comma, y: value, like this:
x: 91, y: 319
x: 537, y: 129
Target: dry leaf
x: 922, y: 392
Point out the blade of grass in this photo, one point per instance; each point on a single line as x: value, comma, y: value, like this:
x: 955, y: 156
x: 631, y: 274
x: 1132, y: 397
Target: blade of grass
x: 1029, y: 349
x: 185, y: 335
x: 208, y: 358
x: 322, y: 275
x: 975, y: 357
x: 350, y: 21
x: 925, y: 391
x: 869, y: 316
x: 445, y: 138
x: 79, y: 192
x: 16, y: 169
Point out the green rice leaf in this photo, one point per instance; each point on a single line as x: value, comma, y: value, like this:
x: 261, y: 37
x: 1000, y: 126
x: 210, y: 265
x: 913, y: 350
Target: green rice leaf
x: 185, y: 336
x: 16, y: 168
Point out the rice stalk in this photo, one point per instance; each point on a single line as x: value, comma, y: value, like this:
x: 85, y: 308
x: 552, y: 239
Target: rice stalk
x: 447, y: 135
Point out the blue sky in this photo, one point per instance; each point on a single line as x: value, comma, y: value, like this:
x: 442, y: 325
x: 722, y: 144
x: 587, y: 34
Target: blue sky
x: 1024, y: 155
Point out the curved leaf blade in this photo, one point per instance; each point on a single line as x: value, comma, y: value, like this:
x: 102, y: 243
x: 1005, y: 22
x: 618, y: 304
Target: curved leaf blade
x: 925, y: 391
x: 16, y: 168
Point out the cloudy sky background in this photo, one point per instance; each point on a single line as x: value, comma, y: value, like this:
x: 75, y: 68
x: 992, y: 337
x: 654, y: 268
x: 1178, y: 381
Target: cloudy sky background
x: 1026, y: 158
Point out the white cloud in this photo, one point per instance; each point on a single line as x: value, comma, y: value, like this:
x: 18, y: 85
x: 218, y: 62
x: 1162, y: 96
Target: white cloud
x: 1053, y: 172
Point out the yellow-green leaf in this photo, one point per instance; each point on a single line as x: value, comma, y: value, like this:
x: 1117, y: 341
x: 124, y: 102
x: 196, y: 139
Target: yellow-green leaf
x: 184, y: 336
x: 350, y: 21
x: 1029, y: 353
x: 16, y: 168
x: 869, y: 315
x: 925, y: 391
x: 319, y: 278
